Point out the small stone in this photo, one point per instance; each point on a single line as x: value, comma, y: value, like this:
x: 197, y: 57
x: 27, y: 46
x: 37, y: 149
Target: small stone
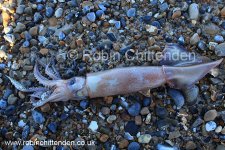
x: 218, y: 39
x: 220, y: 49
x: 194, y: 39
x: 165, y: 147
x: 91, y: 16
x: 111, y: 118
x: 197, y: 122
x: 105, y: 110
x: 152, y: 29
x: 146, y: 101
x: 102, y: 7
x: 20, y: 9
x: 12, y: 99
x: 222, y: 12
x: 218, y: 129
x: 131, y: 12
x: 210, y: 126
x: 163, y: 7
x: 123, y: 144
x: 37, y: 17
x: 26, y: 44
x: 148, y: 118
x: 174, y: 135
x: 8, y: 30
x: 202, y: 45
x: 3, y: 104
x: 144, y: 139
x: 134, y: 109
x: 44, y: 51
x: 138, y: 120
x: 191, y: 94
x: 99, y: 13
x: 210, y: 115
x: 58, y: 12
x: 33, y: 31
x: 176, y: 14
x: 190, y: 145
x: 49, y: 12
x: 93, y: 126
x: 161, y: 112
x: 128, y: 136
x: 177, y: 97
x: 21, y: 123
x: 103, y: 138
x: 45, y: 108
x: 52, y: 127
x: 144, y: 111
x: 38, y: 117
x: 84, y: 104
x: 117, y: 24
x: 134, y: 146
x: 194, y: 11
x: 210, y: 29
x: 62, y: 36
x: 10, y: 38
x: 131, y: 128
x: 220, y: 147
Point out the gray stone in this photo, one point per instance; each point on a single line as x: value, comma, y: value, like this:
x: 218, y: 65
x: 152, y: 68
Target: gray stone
x: 220, y: 49
x: 194, y: 11
x: 58, y: 12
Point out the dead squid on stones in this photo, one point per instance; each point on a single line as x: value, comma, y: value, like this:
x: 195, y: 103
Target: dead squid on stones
x: 179, y: 73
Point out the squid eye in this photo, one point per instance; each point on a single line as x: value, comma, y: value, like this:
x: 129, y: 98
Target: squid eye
x: 72, y: 82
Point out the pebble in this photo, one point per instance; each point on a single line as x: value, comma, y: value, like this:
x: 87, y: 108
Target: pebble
x: 12, y: 99
x: 3, y: 104
x: 10, y: 110
x: 197, y: 122
x: 20, y: 9
x: 93, y: 126
x: 218, y: 38
x: 177, y: 97
x: 28, y: 147
x: 163, y: 7
x: 99, y: 13
x: 174, y: 135
x: 222, y: 12
x: 210, y: 115
x: 134, y: 109
x: 84, y: 104
x: 38, y: 117
x: 49, y: 12
x: 52, y: 127
x: 147, y: 101
x: 161, y: 112
x: 105, y: 110
x: 134, y: 146
x: 131, y: 12
x: 102, y: 7
x: 220, y: 147
x: 220, y: 49
x: 37, y: 17
x: 144, y: 139
x: 210, y: 126
x: 165, y: 147
x: 128, y: 136
x: 91, y: 16
x: 194, y: 11
x: 45, y: 108
x: 202, y: 45
x: 218, y: 129
x: 103, y: 138
x: 21, y: 123
x: 138, y: 120
x: 111, y: 118
x: 123, y: 143
x: 194, y: 39
x: 58, y: 12
x: 131, y: 128
x: 152, y: 29
x: 144, y: 111
x: 33, y: 31
x: 210, y: 29
x: 148, y: 118
x: 190, y: 145
x: 10, y: 38
x: 191, y: 94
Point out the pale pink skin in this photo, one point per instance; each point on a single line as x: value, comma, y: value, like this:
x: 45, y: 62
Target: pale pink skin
x: 114, y: 82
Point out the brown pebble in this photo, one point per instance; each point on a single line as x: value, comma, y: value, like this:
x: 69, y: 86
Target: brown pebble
x: 24, y: 50
x: 104, y: 138
x: 33, y: 31
x: 9, y: 135
x: 80, y: 42
x: 210, y: 115
x: 190, y: 145
x: 123, y: 144
x: 144, y: 111
x: 138, y: 120
x: 222, y: 12
x: 176, y: 14
x: 43, y: 51
x: 52, y: 21
x: 105, y: 110
x: 45, y: 108
x: 108, y: 99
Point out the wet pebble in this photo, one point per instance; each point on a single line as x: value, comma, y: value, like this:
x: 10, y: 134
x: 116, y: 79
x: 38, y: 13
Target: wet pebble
x: 99, y: 13
x: 131, y: 12
x: 165, y: 147
x: 10, y: 110
x: 131, y: 128
x: 191, y: 94
x: 177, y: 97
x: 3, y: 104
x: 20, y: 9
x: 218, y: 38
x: 49, y: 12
x: 91, y: 16
x: 220, y: 147
x: 145, y: 138
x: 58, y: 12
x: 163, y: 7
x: 134, y: 109
x: 202, y: 45
x: 84, y: 104
x: 210, y: 126
x: 25, y: 132
x: 210, y: 115
x: 21, y: 123
x: 12, y: 99
x: 38, y: 117
x: 146, y: 101
x: 93, y: 126
x: 134, y: 146
x: 194, y: 11
x: 194, y: 39
x: 37, y: 17
x: 52, y: 127
x: 190, y: 145
x: 105, y: 110
x: 111, y: 118
x: 220, y: 49
x: 161, y: 112
x: 144, y: 111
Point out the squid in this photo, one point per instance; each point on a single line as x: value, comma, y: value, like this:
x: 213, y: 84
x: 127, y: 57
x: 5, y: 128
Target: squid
x: 178, y: 74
